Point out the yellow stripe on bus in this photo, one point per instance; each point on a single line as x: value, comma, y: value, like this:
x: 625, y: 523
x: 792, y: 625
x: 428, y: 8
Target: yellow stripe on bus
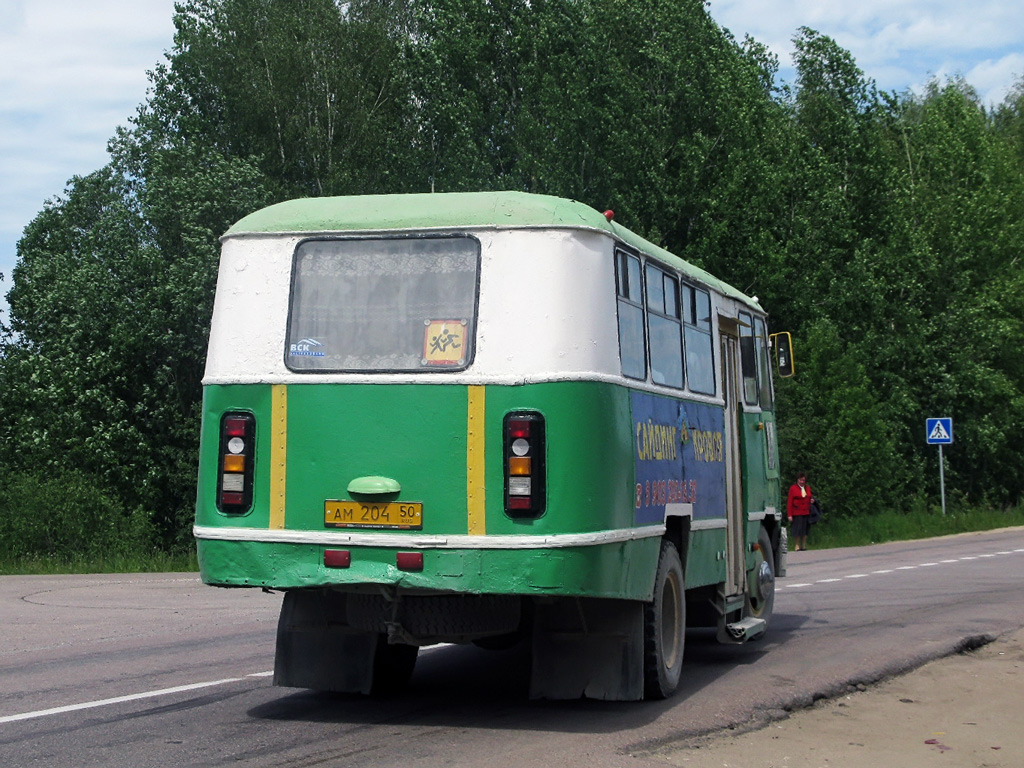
x: 475, y: 462
x: 278, y: 453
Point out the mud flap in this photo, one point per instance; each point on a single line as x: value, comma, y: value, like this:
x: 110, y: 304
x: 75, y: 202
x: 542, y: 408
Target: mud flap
x: 315, y: 649
x: 588, y: 648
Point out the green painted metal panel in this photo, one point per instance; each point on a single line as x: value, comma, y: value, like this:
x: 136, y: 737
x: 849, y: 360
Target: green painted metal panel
x: 420, y: 211
x: 705, y: 563
x: 416, y: 435
x: 760, y: 484
x: 599, y: 571
x: 216, y: 402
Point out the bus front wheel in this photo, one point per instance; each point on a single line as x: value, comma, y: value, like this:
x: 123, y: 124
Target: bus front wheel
x: 665, y: 627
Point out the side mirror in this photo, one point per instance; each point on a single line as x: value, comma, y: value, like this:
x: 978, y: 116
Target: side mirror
x: 783, y: 345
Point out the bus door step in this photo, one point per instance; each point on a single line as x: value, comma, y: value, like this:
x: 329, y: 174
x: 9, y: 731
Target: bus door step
x: 743, y: 631
x: 726, y: 604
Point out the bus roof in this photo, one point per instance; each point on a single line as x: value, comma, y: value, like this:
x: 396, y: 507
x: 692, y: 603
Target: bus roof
x: 456, y: 210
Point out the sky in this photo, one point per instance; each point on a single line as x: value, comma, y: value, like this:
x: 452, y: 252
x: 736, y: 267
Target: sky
x: 72, y: 71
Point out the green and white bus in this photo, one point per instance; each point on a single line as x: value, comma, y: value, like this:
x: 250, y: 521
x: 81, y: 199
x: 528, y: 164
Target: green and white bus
x: 488, y: 418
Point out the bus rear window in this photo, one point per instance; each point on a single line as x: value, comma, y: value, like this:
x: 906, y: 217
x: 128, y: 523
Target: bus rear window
x: 383, y: 304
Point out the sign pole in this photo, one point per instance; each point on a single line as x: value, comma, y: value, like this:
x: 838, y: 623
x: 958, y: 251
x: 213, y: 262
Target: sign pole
x: 942, y: 480
x: 940, y: 432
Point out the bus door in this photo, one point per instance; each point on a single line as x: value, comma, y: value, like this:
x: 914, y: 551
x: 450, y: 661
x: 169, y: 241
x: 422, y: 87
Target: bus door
x: 735, y: 556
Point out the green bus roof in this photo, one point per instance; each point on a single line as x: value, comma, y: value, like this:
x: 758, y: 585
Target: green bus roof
x: 454, y: 210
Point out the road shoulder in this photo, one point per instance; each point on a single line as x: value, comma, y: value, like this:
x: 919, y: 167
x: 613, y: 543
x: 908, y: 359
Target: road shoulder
x: 963, y: 709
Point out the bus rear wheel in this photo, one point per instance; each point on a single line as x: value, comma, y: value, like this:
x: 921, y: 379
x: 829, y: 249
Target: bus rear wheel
x: 761, y: 580
x: 665, y: 627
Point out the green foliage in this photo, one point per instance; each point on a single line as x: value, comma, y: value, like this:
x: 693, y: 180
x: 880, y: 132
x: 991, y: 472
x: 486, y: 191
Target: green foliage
x: 919, y: 522
x: 884, y: 231
x: 63, y: 517
x: 836, y: 428
x: 312, y: 89
x: 110, y: 311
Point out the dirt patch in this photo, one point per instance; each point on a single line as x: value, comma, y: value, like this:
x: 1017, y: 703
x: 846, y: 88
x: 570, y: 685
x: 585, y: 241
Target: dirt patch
x: 963, y: 711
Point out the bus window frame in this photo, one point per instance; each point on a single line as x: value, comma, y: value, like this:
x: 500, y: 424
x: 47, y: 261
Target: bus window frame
x: 470, y: 331
x: 766, y: 390
x: 748, y: 360
x: 697, y: 325
x: 664, y: 274
x: 621, y: 257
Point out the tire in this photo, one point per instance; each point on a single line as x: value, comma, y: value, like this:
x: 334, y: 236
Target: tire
x: 761, y: 580
x: 393, y: 664
x: 665, y: 627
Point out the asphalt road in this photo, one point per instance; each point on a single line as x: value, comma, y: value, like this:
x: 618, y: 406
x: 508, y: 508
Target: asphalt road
x: 159, y: 670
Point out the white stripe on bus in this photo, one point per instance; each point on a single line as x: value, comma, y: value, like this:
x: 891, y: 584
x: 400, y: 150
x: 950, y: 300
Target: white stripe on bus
x: 413, y: 541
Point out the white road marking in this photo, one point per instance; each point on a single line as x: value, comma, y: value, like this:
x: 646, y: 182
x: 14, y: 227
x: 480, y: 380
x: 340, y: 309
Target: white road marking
x: 900, y: 568
x: 122, y: 699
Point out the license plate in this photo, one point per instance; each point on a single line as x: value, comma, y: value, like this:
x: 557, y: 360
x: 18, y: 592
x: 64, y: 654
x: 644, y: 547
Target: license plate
x: 392, y: 515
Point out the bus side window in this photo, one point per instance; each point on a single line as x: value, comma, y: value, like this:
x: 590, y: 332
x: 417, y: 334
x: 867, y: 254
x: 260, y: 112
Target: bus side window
x: 665, y: 328
x: 629, y: 284
x: 748, y: 360
x: 763, y: 367
x: 700, y: 358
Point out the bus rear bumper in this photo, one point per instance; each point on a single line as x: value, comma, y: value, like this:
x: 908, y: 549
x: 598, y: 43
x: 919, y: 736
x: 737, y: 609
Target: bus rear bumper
x: 613, y: 570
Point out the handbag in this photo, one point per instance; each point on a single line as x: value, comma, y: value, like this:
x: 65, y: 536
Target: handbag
x: 816, y: 513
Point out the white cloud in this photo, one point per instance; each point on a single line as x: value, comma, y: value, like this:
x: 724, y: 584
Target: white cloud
x: 993, y: 78
x: 70, y: 73
x: 901, y: 44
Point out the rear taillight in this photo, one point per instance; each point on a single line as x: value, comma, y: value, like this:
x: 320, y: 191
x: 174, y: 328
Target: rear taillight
x: 235, y: 471
x: 525, y: 491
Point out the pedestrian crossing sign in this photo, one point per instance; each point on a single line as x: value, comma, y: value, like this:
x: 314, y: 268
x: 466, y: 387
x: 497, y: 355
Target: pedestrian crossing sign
x: 939, y: 431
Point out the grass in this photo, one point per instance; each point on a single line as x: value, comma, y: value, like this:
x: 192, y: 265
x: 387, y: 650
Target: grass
x: 906, y: 526
x: 152, y: 562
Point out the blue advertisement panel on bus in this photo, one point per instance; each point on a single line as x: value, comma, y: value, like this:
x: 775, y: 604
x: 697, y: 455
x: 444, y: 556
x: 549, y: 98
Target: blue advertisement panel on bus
x: 679, y: 457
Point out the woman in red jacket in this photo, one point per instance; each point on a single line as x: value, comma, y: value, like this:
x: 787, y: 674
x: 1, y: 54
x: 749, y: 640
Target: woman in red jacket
x: 798, y: 507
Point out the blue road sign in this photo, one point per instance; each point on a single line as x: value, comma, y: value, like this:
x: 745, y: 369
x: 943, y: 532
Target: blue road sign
x: 939, y: 431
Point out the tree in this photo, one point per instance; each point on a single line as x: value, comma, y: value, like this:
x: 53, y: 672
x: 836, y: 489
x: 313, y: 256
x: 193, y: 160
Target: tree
x: 884, y: 231
x: 311, y: 90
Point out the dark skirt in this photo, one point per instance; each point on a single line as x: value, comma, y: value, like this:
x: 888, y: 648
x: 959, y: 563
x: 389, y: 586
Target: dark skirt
x: 799, y: 525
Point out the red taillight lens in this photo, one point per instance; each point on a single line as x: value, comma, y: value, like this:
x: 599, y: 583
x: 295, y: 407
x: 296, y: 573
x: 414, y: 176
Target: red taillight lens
x: 525, y: 471
x: 235, y: 462
x: 518, y: 427
x: 337, y: 558
x: 236, y: 426
x: 409, y: 561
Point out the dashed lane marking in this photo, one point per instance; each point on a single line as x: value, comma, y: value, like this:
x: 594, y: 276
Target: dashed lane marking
x: 880, y: 571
